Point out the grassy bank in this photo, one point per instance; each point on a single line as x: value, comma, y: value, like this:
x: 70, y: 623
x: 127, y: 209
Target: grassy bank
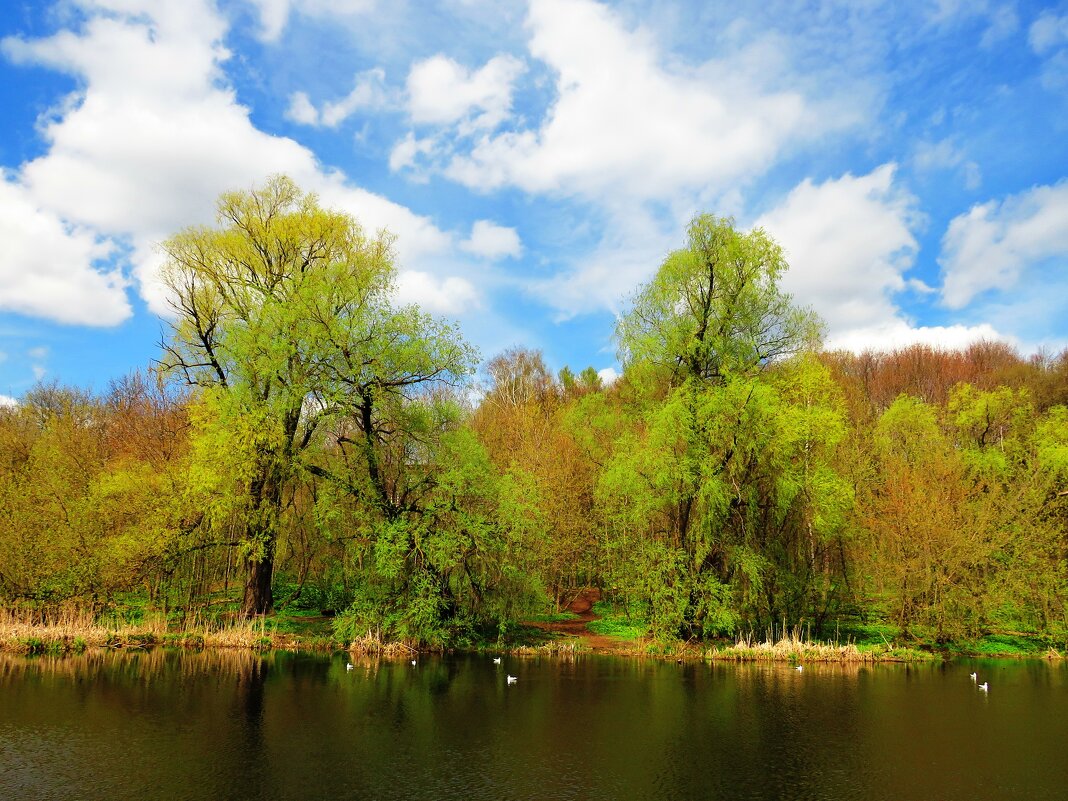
x: 73, y: 631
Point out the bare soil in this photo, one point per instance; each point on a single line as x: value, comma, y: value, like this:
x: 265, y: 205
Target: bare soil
x: 577, y: 627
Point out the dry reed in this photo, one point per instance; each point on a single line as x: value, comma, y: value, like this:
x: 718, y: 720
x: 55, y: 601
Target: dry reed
x: 792, y: 646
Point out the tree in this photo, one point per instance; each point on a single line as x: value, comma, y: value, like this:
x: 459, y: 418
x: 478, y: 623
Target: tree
x: 703, y: 486
x: 284, y: 320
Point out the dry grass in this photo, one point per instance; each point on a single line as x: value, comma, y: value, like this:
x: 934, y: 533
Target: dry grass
x: 372, y: 644
x: 568, y: 647
x: 72, y: 630
x: 65, y: 631
x: 794, y: 647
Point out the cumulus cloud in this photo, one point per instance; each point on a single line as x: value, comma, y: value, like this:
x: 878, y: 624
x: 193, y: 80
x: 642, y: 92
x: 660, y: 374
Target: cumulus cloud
x: 8, y: 402
x: 442, y: 92
x: 369, y: 93
x: 992, y: 244
x: 624, y: 120
x: 54, y: 270
x: 152, y: 139
x: 848, y: 242
x: 492, y: 241
x: 900, y: 334
x: 449, y: 295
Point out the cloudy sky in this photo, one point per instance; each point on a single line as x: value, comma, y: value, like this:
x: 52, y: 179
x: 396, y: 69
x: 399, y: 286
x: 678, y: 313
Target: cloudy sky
x: 537, y: 160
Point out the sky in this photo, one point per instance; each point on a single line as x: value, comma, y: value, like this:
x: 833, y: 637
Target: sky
x: 537, y: 160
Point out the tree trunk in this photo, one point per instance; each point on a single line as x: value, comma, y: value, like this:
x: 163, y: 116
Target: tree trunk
x: 258, y: 599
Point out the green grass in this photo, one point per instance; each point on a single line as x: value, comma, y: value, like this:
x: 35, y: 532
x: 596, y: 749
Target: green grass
x: 613, y: 622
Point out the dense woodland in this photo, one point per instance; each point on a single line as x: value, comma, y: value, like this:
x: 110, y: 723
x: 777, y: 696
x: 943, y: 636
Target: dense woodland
x: 305, y: 442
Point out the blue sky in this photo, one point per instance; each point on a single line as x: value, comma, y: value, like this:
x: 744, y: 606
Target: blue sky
x: 537, y: 160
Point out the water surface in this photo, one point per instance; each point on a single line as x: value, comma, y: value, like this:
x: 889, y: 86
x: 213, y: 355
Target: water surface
x: 214, y: 726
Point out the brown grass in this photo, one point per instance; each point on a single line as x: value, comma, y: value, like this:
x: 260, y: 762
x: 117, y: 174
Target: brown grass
x: 71, y: 630
x: 794, y: 647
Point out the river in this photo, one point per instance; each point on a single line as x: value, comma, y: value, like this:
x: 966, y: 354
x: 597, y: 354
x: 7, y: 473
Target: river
x: 235, y: 725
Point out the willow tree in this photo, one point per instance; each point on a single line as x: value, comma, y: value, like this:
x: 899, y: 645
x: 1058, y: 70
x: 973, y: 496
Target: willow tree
x: 714, y: 483
x: 284, y: 319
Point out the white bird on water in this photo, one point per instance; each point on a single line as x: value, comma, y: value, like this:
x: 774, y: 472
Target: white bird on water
x: 799, y: 668
x: 496, y: 660
x: 413, y: 663
x: 348, y: 666
x: 974, y: 676
x: 985, y: 687
x: 512, y: 679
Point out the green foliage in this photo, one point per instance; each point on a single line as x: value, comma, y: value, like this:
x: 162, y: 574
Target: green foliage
x: 613, y: 622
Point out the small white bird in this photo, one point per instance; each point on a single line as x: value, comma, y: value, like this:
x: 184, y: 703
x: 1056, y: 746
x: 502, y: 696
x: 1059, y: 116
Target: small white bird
x: 974, y: 676
x: 348, y: 666
x: 512, y: 679
x: 413, y: 663
x: 799, y: 668
x: 496, y: 660
x: 985, y: 687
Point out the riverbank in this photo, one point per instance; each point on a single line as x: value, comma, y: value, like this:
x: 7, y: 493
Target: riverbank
x: 588, y: 626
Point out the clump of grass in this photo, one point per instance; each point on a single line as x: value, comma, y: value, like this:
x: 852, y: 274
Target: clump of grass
x: 566, y: 647
x: 69, y: 630
x: 792, y: 646
x: 372, y: 644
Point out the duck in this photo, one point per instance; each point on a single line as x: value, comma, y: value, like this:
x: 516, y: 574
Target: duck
x: 496, y: 660
x: 985, y: 687
x: 512, y: 679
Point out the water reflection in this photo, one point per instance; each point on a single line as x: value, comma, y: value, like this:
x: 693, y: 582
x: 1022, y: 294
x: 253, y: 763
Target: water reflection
x: 233, y: 724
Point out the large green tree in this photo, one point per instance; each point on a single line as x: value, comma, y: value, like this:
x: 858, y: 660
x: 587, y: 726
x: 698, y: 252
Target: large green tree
x: 720, y: 489
x: 284, y: 317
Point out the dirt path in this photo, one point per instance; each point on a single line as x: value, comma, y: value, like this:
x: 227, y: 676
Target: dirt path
x: 583, y: 607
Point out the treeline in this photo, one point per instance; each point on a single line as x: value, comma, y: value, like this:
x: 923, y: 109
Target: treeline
x: 305, y: 442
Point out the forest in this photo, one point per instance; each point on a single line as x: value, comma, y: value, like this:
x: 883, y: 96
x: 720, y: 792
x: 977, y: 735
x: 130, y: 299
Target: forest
x: 304, y: 442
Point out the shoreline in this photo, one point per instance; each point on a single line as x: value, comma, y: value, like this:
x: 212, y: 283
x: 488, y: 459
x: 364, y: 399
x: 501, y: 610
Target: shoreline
x: 58, y: 639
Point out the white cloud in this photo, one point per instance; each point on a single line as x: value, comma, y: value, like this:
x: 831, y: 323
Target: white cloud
x: 450, y: 295
x: 848, y: 242
x: 1048, y: 37
x: 900, y: 334
x: 51, y: 269
x: 609, y: 376
x: 39, y: 352
x: 492, y: 241
x: 274, y: 14
x: 945, y: 155
x: 369, y: 93
x: 407, y: 151
x: 442, y: 92
x: 1048, y: 32
x: 8, y: 402
x: 153, y: 138
x: 992, y: 244
x: 628, y: 119
x: 39, y: 371
x: 1003, y: 23
x: 301, y: 110
x: 633, y: 244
